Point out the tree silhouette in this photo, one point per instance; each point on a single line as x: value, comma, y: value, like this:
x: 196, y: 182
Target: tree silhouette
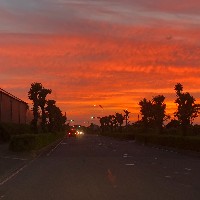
x: 103, y: 123
x: 153, y: 112
x: 120, y: 120
x: 173, y: 124
x: 55, y: 116
x: 38, y: 94
x: 158, y: 109
x: 126, y: 116
x: 107, y: 121
x: 50, y: 114
x: 111, y: 119
x: 146, y: 112
x: 187, y: 109
x: 42, y: 102
x: 111, y: 122
x: 33, y: 95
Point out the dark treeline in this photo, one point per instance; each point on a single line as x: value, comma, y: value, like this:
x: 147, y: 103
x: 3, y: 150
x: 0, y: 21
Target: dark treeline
x: 154, y: 115
x: 46, y: 115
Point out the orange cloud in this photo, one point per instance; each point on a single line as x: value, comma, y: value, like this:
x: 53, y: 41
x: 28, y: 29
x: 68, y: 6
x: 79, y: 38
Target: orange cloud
x: 114, y: 70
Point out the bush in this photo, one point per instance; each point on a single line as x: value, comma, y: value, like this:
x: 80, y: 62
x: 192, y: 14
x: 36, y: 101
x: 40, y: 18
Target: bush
x: 196, y: 129
x: 24, y: 142
x: 172, y: 131
x: 28, y: 142
x: 7, y: 130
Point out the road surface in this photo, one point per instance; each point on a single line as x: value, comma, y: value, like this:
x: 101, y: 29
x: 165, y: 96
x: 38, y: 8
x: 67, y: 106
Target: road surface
x: 101, y: 168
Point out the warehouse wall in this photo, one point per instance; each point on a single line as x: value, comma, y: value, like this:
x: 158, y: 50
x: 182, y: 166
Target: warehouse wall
x: 12, y: 110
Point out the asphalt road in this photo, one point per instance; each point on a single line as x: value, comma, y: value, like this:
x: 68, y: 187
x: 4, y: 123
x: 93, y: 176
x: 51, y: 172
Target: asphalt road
x: 100, y: 168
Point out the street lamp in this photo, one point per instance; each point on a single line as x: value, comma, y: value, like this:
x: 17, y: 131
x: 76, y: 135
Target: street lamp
x: 70, y: 120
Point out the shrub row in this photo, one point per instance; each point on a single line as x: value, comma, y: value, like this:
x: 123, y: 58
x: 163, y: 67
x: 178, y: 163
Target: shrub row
x: 176, y: 141
x: 28, y: 142
x: 180, y: 142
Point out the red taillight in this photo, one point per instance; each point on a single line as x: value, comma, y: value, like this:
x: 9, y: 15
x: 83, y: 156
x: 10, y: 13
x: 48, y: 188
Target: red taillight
x: 69, y: 133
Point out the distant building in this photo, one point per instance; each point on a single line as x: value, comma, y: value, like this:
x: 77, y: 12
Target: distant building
x: 12, y: 109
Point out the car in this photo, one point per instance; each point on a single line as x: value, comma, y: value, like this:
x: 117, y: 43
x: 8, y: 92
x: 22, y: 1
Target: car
x: 72, y: 133
x: 80, y: 132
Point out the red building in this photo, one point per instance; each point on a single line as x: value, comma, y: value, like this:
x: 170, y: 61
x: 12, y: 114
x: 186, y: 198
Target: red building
x: 12, y: 109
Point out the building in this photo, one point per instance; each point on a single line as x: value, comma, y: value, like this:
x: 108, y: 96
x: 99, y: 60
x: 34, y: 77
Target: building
x: 12, y: 109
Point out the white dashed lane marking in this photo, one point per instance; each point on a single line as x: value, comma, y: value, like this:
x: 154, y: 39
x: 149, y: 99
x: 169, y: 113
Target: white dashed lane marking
x: 130, y: 164
x: 13, y: 158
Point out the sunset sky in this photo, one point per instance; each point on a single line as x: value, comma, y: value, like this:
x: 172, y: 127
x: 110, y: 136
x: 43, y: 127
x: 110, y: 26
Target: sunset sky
x: 100, y: 52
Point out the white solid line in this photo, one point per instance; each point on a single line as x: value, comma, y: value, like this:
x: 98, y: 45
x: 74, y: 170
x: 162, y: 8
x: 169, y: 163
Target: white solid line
x: 12, y: 175
x: 23, y: 159
x: 52, y: 150
x: 126, y: 156
x: 13, y: 158
x: 19, y: 170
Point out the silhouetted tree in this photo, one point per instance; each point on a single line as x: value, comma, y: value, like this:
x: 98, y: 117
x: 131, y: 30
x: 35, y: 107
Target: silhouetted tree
x: 111, y: 119
x: 103, y: 123
x: 107, y: 121
x: 55, y: 116
x: 187, y: 109
x: 153, y: 112
x: 173, y: 124
x: 115, y: 123
x: 33, y: 95
x: 42, y: 102
x: 146, y: 112
x: 50, y: 112
x: 158, y: 109
x: 126, y: 116
x: 120, y: 120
